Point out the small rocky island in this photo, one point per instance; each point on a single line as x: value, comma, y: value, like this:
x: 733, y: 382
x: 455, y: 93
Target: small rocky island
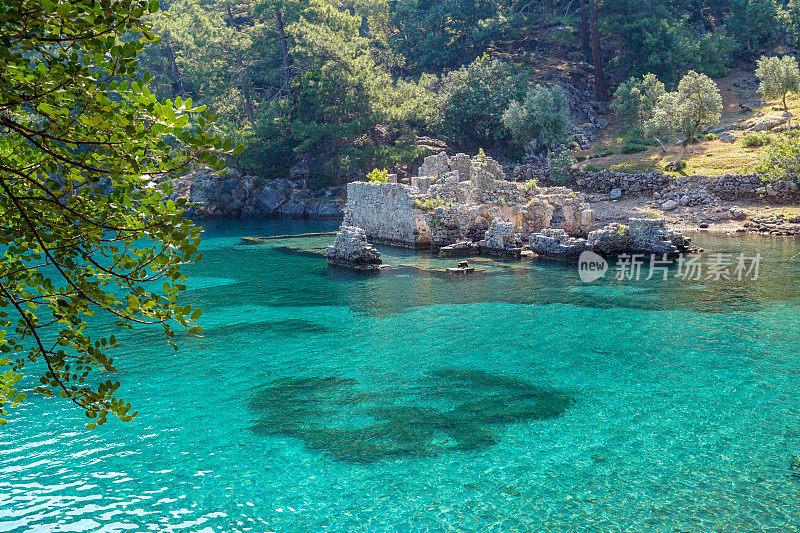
x: 464, y: 205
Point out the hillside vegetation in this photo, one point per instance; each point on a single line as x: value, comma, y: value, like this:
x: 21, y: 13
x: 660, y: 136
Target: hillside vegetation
x: 331, y: 89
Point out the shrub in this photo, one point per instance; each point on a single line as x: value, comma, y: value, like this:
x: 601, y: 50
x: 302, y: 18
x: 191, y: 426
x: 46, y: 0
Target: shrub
x: 544, y: 115
x: 710, y: 137
x: 431, y: 203
x: 782, y: 159
x: 560, y: 163
x: 756, y: 138
x: 632, y: 148
x: 592, y: 168
x: 529, y: 185
x: 580, y: 158
x: 378, y: 175
x: 474, y: 97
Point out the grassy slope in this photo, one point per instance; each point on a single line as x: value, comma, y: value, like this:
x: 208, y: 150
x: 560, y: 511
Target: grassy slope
x: 706, y: 158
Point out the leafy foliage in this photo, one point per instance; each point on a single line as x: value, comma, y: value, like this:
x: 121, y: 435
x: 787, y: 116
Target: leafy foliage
x: 378, y: 175
x: 636, y: 99
x: 695, y: 105
x: 85, y: 229
x: 782, y: 159
x: 560, y: 163
x: 779, y: 76
x: 543, y: 115
x: 431, y: 203
x: 474, y: 97
x: 756, y: 138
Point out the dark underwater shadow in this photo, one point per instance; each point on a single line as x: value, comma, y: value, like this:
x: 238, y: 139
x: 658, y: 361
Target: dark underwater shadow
x: 442, y: 411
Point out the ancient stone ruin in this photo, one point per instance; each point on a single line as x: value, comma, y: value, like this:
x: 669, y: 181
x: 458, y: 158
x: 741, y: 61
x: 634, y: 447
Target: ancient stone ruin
x: 463, y: 205
x: 351, y: 249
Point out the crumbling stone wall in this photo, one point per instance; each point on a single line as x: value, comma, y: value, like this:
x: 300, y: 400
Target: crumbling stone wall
x: 753, y: 186
x: 387, y: 213
x: 597, y: 181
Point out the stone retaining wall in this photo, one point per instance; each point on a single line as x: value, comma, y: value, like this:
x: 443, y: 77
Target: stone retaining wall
x: 597, y: 181
x: 733, y: 186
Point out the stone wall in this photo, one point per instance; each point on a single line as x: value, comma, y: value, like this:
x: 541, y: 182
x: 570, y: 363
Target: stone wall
x: 732, y: 186
x: 597, y: 181
x: 387, y: 213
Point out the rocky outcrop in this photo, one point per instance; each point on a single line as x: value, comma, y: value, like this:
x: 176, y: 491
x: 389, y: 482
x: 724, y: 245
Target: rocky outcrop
x: 232, y: 195
x: 640, y: 235
x: 352, y: 250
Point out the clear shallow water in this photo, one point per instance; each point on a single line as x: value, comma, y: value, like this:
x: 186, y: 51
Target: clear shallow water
x: 650, y: 406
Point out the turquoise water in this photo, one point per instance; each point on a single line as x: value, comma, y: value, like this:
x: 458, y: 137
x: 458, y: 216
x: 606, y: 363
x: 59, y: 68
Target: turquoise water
x: 519, y: 399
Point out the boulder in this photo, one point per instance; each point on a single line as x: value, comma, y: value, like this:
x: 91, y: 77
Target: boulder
x: 615, y: 193
x: 727, y: 137
x: 669, y: 205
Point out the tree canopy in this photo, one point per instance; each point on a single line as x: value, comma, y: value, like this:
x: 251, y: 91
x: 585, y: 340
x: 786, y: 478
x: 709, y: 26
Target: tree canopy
x: 86, y: 228
x: 695, y: 105
x: 778, y: 77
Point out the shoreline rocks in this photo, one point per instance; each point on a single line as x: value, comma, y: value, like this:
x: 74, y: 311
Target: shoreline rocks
x: 232, y: 195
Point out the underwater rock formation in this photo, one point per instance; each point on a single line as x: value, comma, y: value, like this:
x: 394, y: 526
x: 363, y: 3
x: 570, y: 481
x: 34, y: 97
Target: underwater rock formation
x: 444, y: 410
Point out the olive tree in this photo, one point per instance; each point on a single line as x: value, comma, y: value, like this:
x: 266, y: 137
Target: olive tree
x: 696, y: 104
x: 543, y: 115
x: 779, y: 76
x: 636, y: 99
x: 85, y: 227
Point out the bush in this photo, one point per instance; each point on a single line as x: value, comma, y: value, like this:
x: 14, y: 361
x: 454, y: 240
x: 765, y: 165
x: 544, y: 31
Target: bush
x: 432, y: 203
x: 378, y: 175
x: 592, y: 168
x: 474, y: 97
x: 544, y: 115
x: 710, y: 137
x: 560, y: 163
x: 580, y: 158
x: 782, y: 159
x: 529, y: 185
x: 632, y: 148
x: 756, y: 138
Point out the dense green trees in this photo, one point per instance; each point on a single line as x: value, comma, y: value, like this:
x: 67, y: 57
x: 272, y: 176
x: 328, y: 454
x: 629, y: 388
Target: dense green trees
x: 323, y: 80
x: 84, y: 230
x: 474, y: 97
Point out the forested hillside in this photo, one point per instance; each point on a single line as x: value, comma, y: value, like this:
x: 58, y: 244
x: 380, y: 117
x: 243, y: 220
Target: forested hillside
x: 335, y: 88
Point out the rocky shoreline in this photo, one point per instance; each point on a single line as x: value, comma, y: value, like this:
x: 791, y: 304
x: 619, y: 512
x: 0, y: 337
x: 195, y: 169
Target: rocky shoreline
x: 232, y: 195
x: 735, y: 204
